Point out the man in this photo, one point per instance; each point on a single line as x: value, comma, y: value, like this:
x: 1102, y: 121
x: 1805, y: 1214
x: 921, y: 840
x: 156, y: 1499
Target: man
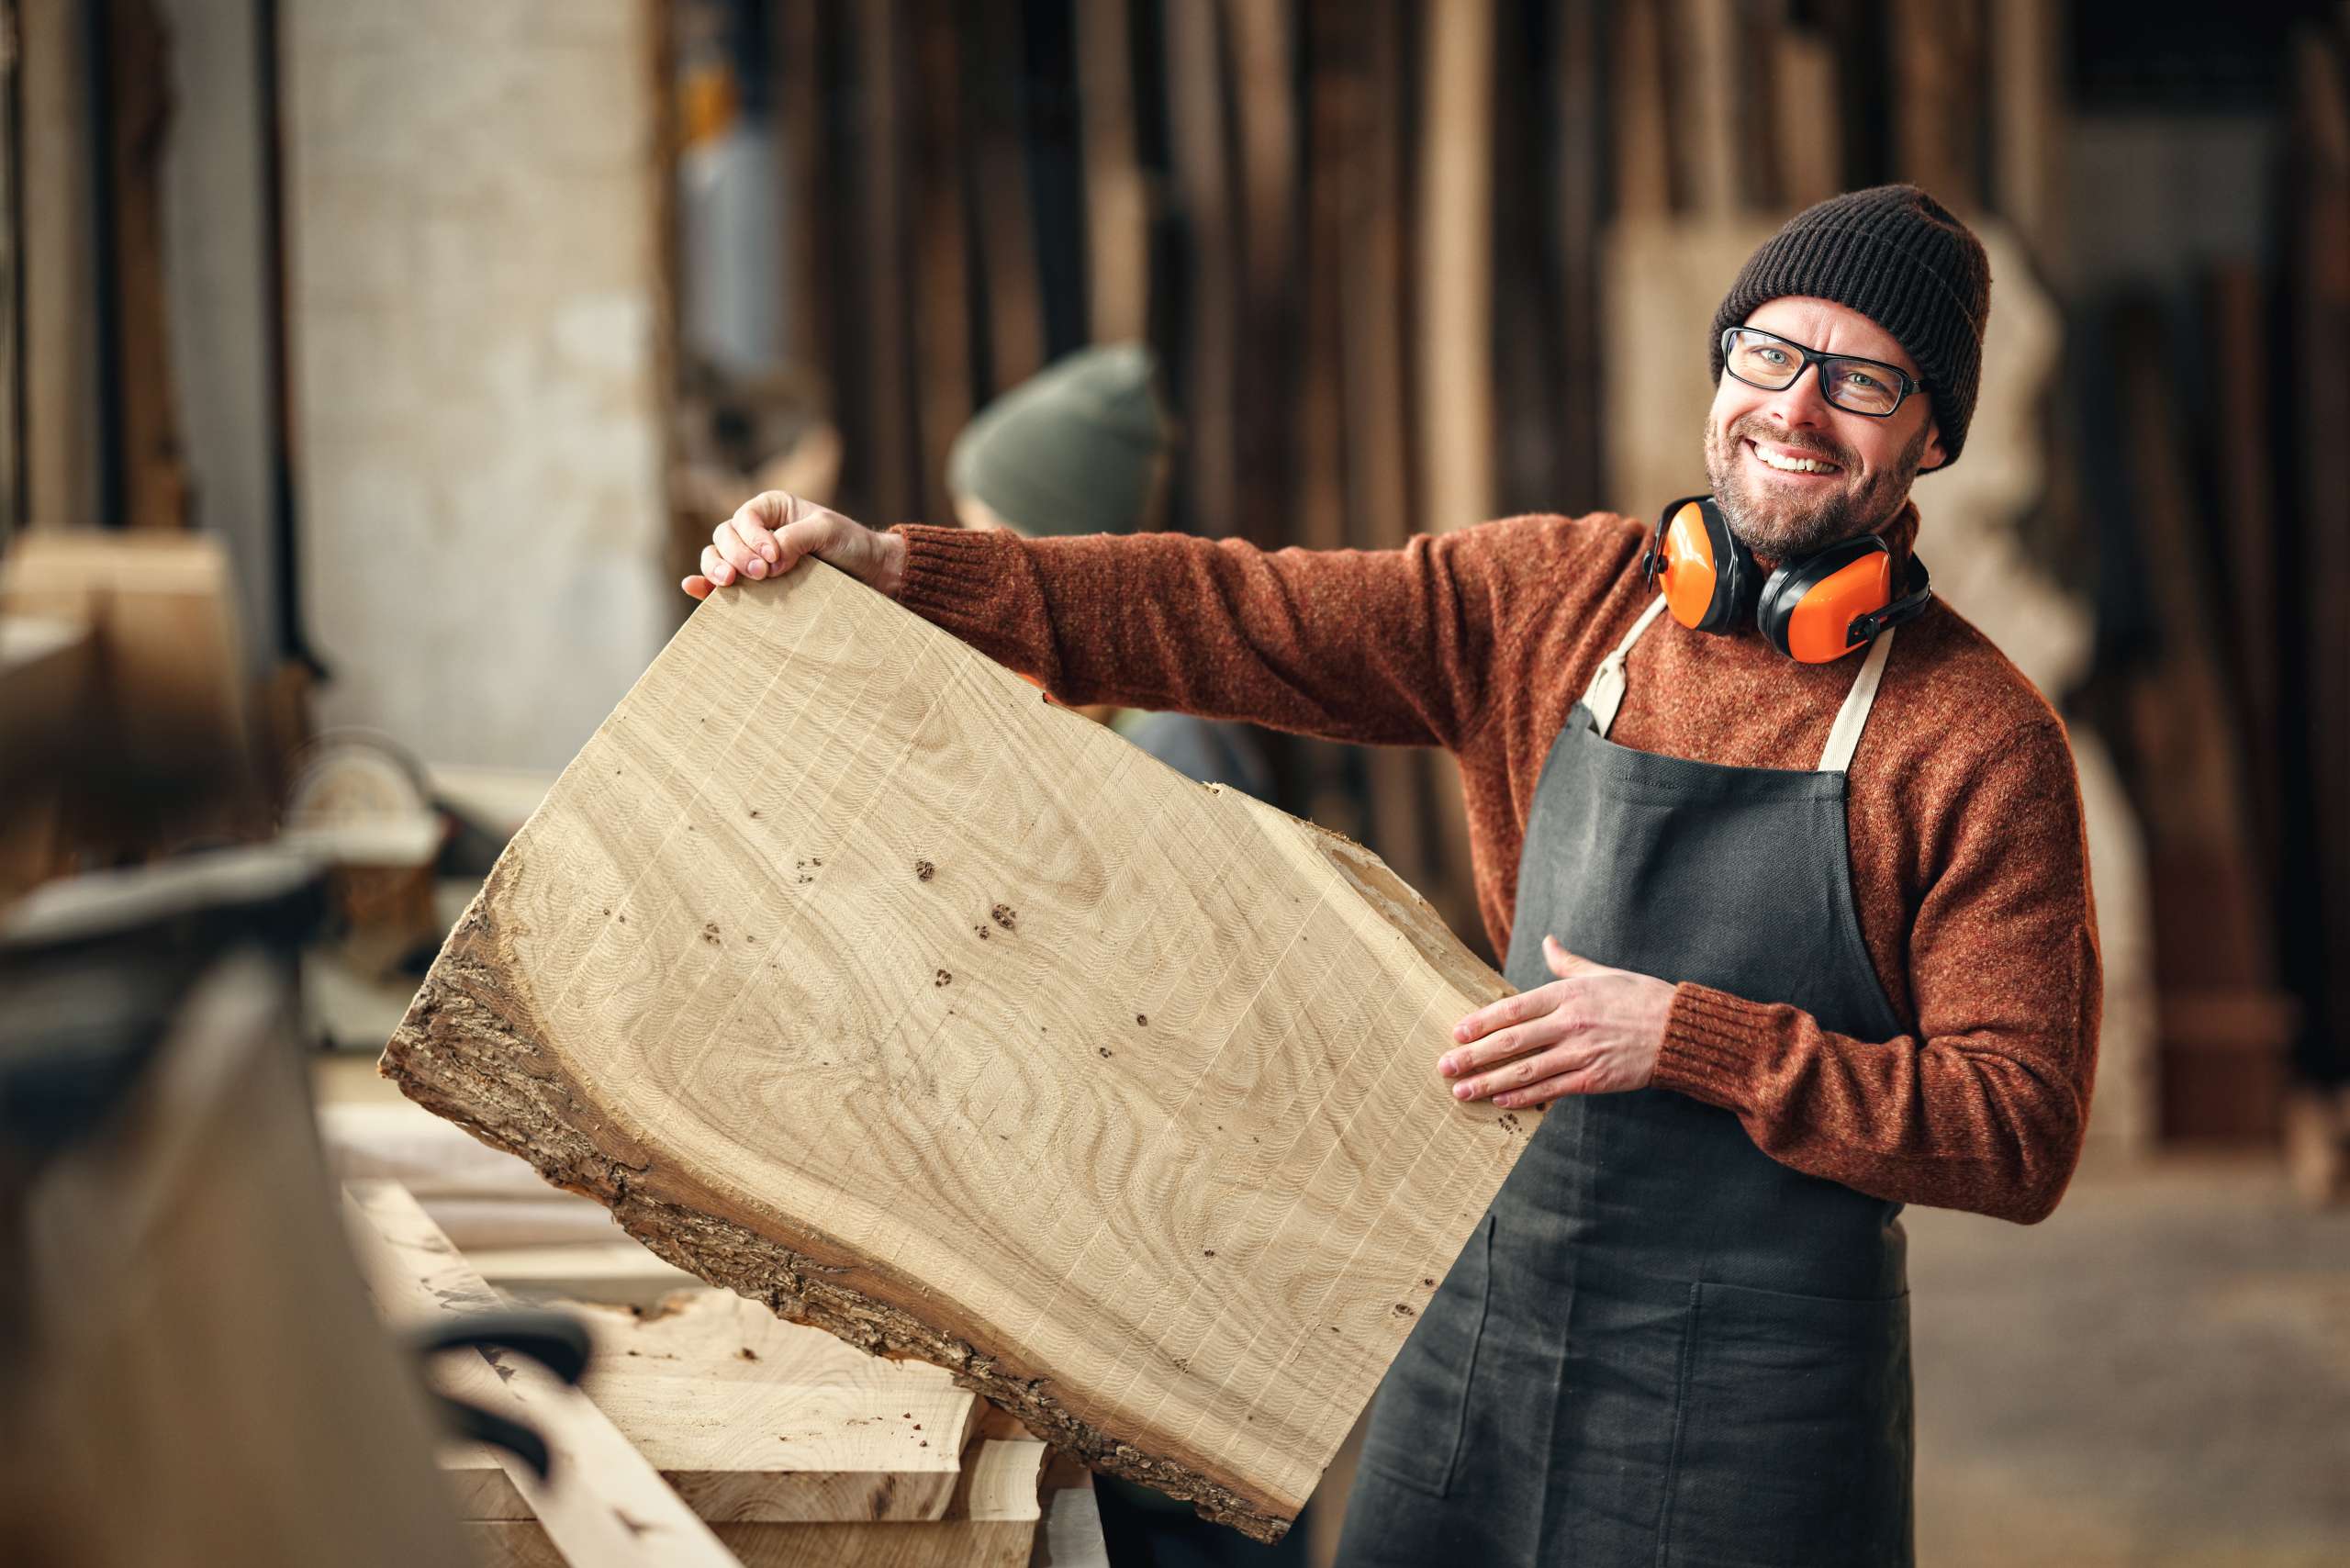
x: 1798, y: 939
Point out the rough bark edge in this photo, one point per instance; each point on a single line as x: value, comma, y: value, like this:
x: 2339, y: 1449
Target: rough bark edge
x: 469, y: 1050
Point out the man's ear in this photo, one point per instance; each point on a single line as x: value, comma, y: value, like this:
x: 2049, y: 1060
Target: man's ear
x: 1933, y: 456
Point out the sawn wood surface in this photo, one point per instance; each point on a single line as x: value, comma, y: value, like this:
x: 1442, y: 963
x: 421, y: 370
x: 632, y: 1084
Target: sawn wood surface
x: 857, y: 978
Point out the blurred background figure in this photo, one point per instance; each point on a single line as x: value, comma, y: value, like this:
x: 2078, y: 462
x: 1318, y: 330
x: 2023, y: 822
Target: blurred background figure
x: 325, y: 324
x: 1084, y: 448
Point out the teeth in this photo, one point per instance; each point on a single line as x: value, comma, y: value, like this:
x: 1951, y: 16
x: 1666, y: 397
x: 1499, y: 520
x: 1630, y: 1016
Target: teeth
x: 1794, y: 465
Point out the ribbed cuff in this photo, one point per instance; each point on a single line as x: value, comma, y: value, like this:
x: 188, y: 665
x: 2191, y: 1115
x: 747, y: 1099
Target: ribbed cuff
x: 952, y: 574
x: 1713, y: 1044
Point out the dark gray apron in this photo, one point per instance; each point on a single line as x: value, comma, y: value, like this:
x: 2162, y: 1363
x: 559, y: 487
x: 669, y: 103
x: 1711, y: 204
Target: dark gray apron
x: 1663, y: 1347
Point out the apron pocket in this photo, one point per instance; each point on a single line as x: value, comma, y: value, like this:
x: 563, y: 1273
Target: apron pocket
x: 1415, y: 1424
x: 1793, y: 1442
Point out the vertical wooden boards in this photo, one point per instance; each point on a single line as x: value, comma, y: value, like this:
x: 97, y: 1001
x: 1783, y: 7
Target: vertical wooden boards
x: 887, y: 994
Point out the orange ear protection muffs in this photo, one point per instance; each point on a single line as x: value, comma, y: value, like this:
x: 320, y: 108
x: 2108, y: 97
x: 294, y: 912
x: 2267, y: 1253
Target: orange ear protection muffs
x: 1813, y: 608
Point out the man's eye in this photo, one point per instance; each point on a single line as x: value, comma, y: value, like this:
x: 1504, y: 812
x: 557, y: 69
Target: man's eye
x: 1776, y: 356
x: 1862, y: 378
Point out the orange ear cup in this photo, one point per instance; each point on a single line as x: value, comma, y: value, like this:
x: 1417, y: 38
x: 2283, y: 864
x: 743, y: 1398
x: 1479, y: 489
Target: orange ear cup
x: 1690, y: 573
x: 1818, y: 626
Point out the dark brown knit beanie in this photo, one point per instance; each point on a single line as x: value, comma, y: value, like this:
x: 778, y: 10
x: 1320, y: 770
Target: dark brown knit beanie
x: 1895, y: 255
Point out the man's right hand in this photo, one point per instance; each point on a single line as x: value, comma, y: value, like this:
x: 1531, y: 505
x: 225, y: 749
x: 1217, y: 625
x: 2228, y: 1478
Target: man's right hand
x: 773, y: 532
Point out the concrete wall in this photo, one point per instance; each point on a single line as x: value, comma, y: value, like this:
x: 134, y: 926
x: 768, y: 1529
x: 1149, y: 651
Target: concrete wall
x: 471, y: 217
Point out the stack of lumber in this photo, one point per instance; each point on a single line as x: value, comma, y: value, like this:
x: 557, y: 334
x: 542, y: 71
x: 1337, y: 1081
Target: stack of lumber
x: 707, y: 1431
x: 916, y: 1008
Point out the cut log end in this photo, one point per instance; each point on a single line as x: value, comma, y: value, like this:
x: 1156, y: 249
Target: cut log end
x: 470, y: 1049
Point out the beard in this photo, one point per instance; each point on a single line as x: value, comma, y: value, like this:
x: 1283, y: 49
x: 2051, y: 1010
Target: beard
x: 1780, y: 525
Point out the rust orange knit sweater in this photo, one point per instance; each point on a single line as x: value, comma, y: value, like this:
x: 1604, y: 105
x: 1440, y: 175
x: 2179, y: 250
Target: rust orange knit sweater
x: 1970, y: 870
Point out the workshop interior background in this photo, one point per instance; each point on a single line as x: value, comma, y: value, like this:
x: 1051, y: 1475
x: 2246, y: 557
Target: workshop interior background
x: 435, y: 337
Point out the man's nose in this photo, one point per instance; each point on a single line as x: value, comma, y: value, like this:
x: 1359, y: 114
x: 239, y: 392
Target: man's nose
x: 1801, y: 402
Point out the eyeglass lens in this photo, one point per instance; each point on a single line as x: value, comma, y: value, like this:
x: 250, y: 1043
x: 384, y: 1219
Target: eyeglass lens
x: 1853, y: 385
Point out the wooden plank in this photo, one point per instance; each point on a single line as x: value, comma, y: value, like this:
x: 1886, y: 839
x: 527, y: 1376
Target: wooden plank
x: 1267, y: 388
x: 1004, y: 214
x: 1117, y: 200
x: 876, y: 1009
x: 1207, y: 369
x: 1456, y: 271
x: 139, y: 110
x: 2245, y: 536
x: 2319, y: 203
x: 1581, y: 90
x: 2026, y: 50
x: 753, y: 1418
x: 12, y: 271
x: 942, y: 263
x: 1706, y: 39
x: 61, y: 279
x: 893, y: 479
x: 614, y: 1273
x: 602, y: 1503
x: 1642, y: 137
x: 1937, y: 98
x: 195, y: 1376
x: 991, y: 1523
x: 1809, y: 120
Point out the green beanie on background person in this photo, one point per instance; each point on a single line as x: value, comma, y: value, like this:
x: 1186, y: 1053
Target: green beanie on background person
x: 1082, y: 447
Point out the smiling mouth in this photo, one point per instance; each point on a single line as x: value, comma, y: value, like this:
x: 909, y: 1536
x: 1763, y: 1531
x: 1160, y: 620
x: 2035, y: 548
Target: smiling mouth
x: 1798, y: 467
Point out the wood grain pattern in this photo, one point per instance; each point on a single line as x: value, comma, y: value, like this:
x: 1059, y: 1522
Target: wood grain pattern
x: 855, y: 978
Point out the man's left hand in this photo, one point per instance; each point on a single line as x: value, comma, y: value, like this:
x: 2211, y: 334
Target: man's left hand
x: 1591, y: 1031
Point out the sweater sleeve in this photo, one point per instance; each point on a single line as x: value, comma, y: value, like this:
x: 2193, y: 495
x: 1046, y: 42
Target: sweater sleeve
x: 1984, y: 1108
x: 1386, y: 647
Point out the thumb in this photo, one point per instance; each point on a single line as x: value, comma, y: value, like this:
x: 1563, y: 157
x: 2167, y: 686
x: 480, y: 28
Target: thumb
x: 1563, y: 963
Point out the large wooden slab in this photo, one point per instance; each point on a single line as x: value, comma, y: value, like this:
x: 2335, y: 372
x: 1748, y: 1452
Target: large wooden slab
x: 855, y: 978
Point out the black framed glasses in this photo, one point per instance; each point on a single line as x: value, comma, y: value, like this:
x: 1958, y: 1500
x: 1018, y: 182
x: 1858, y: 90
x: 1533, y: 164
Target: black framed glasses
x: 1857, y: 386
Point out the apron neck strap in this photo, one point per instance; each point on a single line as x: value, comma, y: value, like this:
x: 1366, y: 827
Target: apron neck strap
x: 1853, y: 716
x: 1605, y: 693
